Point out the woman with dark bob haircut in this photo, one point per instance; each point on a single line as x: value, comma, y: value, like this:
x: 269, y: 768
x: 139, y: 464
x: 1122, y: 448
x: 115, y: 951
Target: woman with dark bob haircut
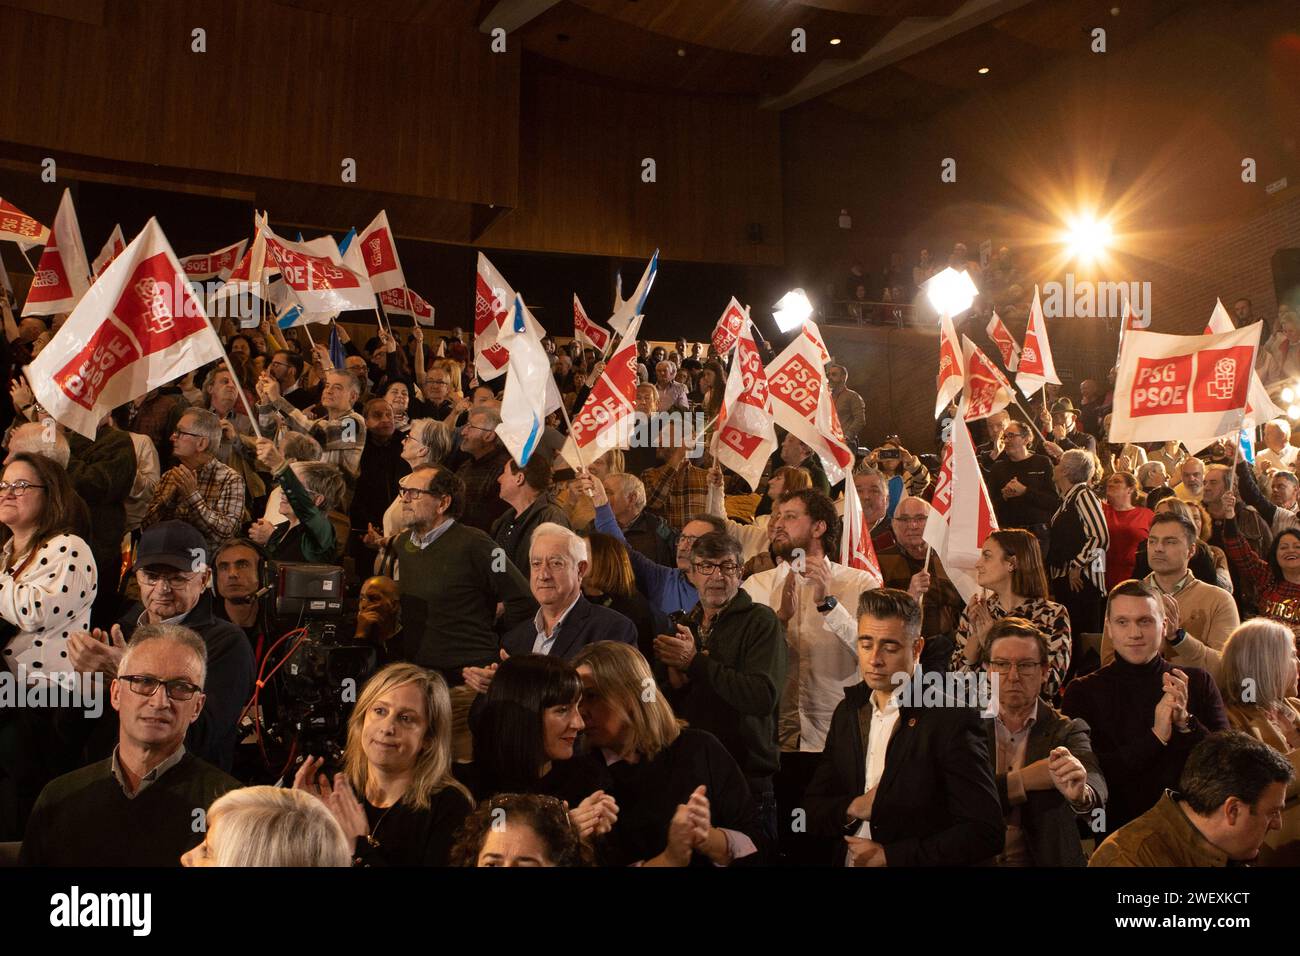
x: 520, y: 829
x: 525, y: 729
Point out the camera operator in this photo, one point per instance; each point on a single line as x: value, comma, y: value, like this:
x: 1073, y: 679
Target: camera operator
x: 238, y: 566
x: 379, y: 618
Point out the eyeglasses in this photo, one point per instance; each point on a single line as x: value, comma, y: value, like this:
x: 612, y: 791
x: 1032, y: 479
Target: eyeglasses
x: 910, y: 519
x: 1028, y: 668
x: 707, y: 568
x: 19, y: 487
x: 148, y: 686
x: 479, y: 428
x: 172, y: 582
x: 409, y: 494
x: 178, y: 431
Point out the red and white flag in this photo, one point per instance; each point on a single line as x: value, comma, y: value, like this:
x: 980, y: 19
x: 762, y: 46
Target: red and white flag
x: 379, y: 255
x: 586, y: 331
x: 1036, y: 365
x: 746, y: 434
x: 1193, y: 388
x: 215, y: 265
x: 17, y: 226
x: 985, y: 390
x: 137, y: 328
x: 1259, y: 407
x: 950, y: 368
x: 252, y: 268
x: 802, y: 400
x: 112, y: 249
x: 317, y: 275
x: 856, y: 549
x: 1001, y: 337
x: 493, y: 297
x: 961, y: 513
x: 406, y: 302
x: 63, y: 274
x: 606, y: 418
x: 727, y: 331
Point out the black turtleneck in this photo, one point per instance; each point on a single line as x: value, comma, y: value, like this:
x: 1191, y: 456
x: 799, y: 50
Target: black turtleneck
x: 1119, y: 704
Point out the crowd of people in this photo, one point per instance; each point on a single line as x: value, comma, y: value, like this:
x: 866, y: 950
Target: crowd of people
x: 645, y: 661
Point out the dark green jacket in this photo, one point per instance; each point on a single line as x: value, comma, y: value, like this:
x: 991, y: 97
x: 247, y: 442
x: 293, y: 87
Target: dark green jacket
x: 313, y: 539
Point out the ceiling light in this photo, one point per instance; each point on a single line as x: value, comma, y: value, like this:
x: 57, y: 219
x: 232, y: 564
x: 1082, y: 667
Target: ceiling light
x: 835, y: 41
x: 982, y: 70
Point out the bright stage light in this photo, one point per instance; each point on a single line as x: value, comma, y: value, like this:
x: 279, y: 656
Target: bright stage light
x: 792, y: 311
x: 1293, y: 413
x: 1288, y: 395
x: 950, y: 292
x: 1087, y: 237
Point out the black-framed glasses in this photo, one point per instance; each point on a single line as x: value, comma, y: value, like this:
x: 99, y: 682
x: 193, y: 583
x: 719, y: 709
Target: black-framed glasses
x: 146, y: 686
x: 179, y: 431
x: 19, y: 487
x: 708, y: 568
x: 410, y: 494
x: 1028, y: 668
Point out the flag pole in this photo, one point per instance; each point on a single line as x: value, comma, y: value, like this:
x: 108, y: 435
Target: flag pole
x: 568, y: 423
x: 252, y: 417
x: 28, y: 260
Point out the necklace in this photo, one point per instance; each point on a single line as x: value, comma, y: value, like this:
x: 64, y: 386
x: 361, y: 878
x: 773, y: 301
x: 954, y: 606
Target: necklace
x: 370, y: 837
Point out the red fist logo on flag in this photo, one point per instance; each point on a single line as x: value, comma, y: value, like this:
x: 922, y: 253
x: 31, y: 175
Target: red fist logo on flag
x: 1222, y: 379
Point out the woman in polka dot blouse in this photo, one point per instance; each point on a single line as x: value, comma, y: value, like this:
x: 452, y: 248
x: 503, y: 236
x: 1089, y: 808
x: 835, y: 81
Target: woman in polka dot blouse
x: 47, y: 574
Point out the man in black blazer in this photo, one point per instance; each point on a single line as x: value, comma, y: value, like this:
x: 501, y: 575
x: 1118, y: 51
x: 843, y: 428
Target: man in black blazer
x: 905, y: 779
x: 566, y: 621
x: 1046, y: 772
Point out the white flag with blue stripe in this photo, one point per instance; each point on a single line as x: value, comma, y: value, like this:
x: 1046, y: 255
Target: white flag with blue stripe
x: 530, y: 394
x: 626, y: 309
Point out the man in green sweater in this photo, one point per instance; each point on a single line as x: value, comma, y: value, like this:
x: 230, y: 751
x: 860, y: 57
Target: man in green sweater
x: 146, y: 804
x: 452, y: 578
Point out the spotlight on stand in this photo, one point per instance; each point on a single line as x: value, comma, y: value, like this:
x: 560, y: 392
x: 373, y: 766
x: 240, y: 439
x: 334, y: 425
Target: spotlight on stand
x: 950, y: 292
x: 792, y: 311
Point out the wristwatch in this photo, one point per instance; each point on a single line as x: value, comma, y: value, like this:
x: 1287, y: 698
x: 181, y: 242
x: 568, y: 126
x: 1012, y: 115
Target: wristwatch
x: 1179, y: 636
x: 828, y: 605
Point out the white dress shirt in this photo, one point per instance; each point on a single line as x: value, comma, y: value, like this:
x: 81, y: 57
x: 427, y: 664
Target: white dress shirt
x: 884, y: 721
x: 544, y: 642
x: 822, y: 651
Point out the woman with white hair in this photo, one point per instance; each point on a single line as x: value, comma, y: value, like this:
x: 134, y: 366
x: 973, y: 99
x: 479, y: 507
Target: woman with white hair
x: 1078, y: 540
x: 270, y: 826
x: 1258, y: 677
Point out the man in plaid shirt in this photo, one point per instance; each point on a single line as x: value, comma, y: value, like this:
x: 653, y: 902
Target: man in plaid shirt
x: 200, y: 491
x: 677, y: 489
x: 341, y: 433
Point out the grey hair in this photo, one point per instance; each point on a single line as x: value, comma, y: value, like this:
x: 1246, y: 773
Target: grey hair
x: 630, y: 486
x: 1145, y: 471
x: 272, y: 826
x: 490, y: 415
x: 175, y: 633
x: 1261, y: 652
x: 205, y: 424
x: 321, y: 478
x: 29, y: 437
x: 351, y: 382
x: 870, y: 471
x: 437, y: 436
x: 296, y: 446
x: 1078, y: 466
x: 574, y: 544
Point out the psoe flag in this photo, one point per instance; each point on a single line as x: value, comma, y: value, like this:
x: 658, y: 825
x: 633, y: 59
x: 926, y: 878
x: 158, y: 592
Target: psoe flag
x: 802, y: 400
x: 1036, y: 365
x: 215, y: 265
x: 315, y: 272
x: 406, y: 302
x: 1001, y: 337
x: 856, y: 549
x: 746, y: 433
x: 112, y: 249
x: 137, y: 328
x: 985, y: 391
x: 63, y: 274
x: 17, y: 226
x: 586, y: 331
x: 1259, y: 407
x: 606, y: 418
x: 1192, y: 388
x: 949, y: 381
x: 962, y: 513
x: 530, y: 393
x: 727, y: 331
x: 379, y: 255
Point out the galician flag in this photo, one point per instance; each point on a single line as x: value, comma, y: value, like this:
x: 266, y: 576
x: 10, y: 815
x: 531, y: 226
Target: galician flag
x: 530, y: 393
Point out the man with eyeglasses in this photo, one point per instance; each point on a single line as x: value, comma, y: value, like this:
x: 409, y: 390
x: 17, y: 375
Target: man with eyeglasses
x: 172, y: 571
x: 138, y: 806
x: 724, y: 666
x: 286, y: 368
x: 1021, y: 483
x: 1046, y: 771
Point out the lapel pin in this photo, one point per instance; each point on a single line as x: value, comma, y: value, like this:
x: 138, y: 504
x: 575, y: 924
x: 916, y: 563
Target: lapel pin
x: 911, y: 721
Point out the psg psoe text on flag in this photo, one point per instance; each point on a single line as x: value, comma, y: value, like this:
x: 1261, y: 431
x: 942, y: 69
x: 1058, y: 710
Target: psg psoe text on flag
x: 949, y: 381
x: 317, y: 275
x: 1036, y: 365
x: 802, y: 400
x: 746, y: 433
x: 586, y: 331
x: 379, y: 255
x: 626, y: 309
x: 63, y: 274
x: 1259, y: 406
x: 530, y: 393
x: 984, y: 389
x: 961, y: 515
x: 112, y: 249
x: 139, y: 327
x: 404, y: 301
x: 607, y: 418
x: 214, y: 265
x: 17, y: 226
x: 1001, y: 337
x: 856, y: 549
x: 1190, y: 388
x: 727, y: 331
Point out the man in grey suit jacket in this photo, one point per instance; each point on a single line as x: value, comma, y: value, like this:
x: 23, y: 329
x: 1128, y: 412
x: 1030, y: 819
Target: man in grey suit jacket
x: 1046, y: 772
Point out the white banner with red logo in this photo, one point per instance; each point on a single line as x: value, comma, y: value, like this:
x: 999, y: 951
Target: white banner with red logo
x: 1005, y: 342
x: 251, y: 270
x: 727, y: 331
x: 586, y: 331
x: 137, y: 328
x: 379, y: 255
x: 63, y: 274
x: 985, y: 390
x: 1259, y: 407
x: 492, y: 298
x: 746, y: 434
x: 606, y: 418
x: 1036, y: 366
x: 317, y: 275
x: 961, y: 515
x: 112, y: 249
x: 802, y: 400
x: 949, y: 381
x: 407, y: 302
x: 1192, y: 388
x: 856, y: 549
x: 17, y: 226
x: 215, y: 265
